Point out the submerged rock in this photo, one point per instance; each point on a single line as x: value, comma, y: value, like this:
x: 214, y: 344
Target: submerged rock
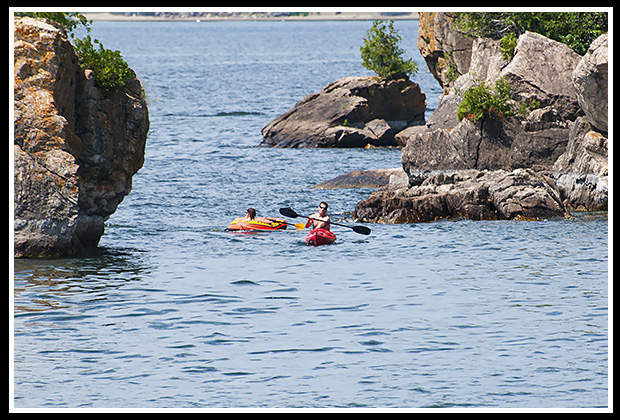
x: 351, y: 112
x: 76, y: 147
x: 364, y: 179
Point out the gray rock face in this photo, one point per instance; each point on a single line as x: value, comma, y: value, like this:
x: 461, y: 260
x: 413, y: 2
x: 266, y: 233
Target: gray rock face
x: 46, y: 207
x: 582, y: 172
x: 351, y: 112
x: 542, y: 70
x: 590, y: 79
x: 534, y: 143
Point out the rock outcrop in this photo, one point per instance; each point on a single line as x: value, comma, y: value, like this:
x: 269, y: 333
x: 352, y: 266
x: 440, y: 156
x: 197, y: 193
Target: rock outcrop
x: 540, y: 72
x: 533, y: 142
x: 535, y: 167
x: 76, y: 147
x: 351, y: 112
x: 581, y: 173
x: 471, y: 194
x: 447, y: 52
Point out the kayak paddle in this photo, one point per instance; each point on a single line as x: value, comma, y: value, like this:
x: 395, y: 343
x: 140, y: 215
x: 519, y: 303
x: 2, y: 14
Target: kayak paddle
x: 300, y: 226
x: 288, y: 212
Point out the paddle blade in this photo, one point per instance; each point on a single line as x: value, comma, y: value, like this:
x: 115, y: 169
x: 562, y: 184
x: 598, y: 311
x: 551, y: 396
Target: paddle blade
x: 361, y: 229
x: 300, y: 226
x: 288, y: 212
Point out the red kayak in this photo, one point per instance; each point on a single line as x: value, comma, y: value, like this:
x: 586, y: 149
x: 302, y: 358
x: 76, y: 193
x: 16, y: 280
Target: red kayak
x: 320, y: 236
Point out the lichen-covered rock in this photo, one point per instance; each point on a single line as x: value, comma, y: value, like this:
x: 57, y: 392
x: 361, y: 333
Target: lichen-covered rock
x: 447, y: 52
x: 76, y: 147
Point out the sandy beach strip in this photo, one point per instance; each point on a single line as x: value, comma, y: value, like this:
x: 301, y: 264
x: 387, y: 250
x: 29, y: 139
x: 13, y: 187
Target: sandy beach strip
x: 199, y: 16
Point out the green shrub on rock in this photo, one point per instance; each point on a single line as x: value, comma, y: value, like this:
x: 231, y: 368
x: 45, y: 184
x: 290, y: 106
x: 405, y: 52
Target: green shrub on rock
x: 381, y: 53
x: 111, y: 71
x: 485, y: 101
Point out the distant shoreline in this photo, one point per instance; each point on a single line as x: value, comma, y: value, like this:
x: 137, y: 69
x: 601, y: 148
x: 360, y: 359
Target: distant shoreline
x: 247, y: 16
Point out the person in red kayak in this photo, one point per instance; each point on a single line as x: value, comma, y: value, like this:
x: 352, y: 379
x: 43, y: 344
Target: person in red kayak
x: 320, y: 219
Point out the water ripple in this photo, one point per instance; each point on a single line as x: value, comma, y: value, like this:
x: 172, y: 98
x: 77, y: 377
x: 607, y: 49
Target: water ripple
x: 172, y: 311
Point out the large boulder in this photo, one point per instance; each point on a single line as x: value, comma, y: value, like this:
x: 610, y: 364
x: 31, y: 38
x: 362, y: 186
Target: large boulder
x: 590, y: 79
x: 76, y: 147
x: 582, y: 172
x: 351, y: 112
x: 542, y: 70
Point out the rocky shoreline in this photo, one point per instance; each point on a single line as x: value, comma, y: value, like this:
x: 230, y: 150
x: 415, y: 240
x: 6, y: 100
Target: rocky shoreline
x: 539, y: 165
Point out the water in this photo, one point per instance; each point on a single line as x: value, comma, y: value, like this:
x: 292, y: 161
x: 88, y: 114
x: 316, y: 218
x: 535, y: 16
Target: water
x: 173, y: 311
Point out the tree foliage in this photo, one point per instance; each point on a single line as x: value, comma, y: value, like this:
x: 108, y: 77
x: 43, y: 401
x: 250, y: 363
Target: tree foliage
x: 111, y: 71
x: 381, y: 53
x: 575, y: 29
x: 69, y: 20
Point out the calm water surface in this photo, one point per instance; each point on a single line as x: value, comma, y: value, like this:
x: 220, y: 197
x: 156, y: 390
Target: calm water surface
x: 173, y: 311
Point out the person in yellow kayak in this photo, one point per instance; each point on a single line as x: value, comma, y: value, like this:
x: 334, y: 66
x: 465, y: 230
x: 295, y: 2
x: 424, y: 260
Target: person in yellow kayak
x: 320, y: 219
x: 251, y: 222
x: 250, y: 214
